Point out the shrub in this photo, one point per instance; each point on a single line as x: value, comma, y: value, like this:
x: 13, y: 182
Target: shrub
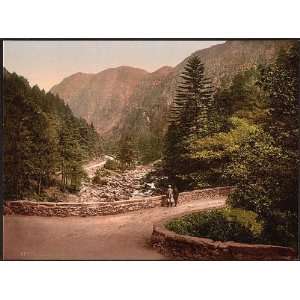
x: 100, y: 175
x: 100, y: 181
x: 222, y: 225
x: 102, y: 172
x: 112, y: 165
x: 281, y: 228
x: 251, y: 197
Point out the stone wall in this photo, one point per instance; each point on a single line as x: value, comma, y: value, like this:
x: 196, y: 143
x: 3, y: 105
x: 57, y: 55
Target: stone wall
x: 184, y: 247
x: 65, y: 209
x: 205, y: 194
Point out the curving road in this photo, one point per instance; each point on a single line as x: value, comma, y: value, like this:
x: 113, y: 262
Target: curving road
x: 92, y: 166
x: 117, y: 237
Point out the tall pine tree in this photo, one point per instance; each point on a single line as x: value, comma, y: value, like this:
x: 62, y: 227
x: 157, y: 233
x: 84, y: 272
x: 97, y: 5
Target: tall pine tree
x: 193, y: 101
x: 191, y: 117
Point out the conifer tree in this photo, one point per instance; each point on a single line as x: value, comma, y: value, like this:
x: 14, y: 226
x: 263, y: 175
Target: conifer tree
x: 193, y: 101
x: 127, y: 154
x: 191, y: 117
x: 41, y: 138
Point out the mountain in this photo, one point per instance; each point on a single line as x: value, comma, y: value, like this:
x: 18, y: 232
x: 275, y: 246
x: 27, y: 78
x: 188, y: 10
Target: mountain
x: 146, y: 118
x: 132, y: 101
x: 100, y: 98
x: 223, y: 61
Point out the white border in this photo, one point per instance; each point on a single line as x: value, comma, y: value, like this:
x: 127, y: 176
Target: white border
x: 149, y: 280
x: 149, y: 19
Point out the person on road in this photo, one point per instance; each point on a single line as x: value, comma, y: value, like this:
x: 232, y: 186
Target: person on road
x: 170, y: 195
x: 176, y: 195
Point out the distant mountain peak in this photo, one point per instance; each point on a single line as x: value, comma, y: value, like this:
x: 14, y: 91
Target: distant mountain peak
x: 123, y: 69
x: 101, y: 97
x: 165, y: 70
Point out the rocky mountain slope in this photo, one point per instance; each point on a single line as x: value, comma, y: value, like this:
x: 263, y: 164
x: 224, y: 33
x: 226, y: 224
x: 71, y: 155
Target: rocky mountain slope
x: 100, y: 98
x: 131, y: 101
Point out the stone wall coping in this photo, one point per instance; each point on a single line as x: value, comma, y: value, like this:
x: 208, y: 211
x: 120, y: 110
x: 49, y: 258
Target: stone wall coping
x: 65, y: 209
x: 93, y: 203
x: 129, y: 201
x: 160, y: 228
x: 215, y: 189
x: 200, y: 240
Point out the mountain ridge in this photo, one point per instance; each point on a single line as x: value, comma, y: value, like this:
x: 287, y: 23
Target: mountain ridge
x: 114, y: 97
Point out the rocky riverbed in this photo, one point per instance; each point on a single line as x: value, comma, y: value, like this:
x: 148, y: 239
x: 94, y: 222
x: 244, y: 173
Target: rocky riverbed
x: 110, y: 186
x: 117, y: 186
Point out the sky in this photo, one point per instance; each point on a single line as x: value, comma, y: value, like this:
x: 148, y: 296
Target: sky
x: 46, y: 63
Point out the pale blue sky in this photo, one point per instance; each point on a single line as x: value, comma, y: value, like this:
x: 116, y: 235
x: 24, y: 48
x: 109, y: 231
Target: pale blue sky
x: 46, y: 63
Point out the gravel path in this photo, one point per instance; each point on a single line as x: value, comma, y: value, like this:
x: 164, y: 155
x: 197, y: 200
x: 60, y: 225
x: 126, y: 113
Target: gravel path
x: 117, y: 237
x: 91, y: 167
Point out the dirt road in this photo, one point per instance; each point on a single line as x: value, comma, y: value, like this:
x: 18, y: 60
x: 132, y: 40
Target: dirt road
x: 91, y: 167
x: 117, y: 237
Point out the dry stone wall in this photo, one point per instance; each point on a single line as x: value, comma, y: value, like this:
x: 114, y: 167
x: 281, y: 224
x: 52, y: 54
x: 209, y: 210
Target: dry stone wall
x: 184, y: 247
x: 66, y: 209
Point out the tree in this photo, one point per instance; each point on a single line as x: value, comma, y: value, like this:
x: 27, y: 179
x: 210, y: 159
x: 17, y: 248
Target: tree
x: 280, y: 81
x: 41, y: 138
x: 191, y: 117
x: 127, y: 154
x: 71, y: 155
x: 265, y: 168
x: 193, y: 102
x: 243, y: 98
x: 26, y: 139
x: 213, y: 154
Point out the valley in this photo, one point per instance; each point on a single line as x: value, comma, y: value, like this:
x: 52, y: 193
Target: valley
x: 114, y: 186
x: 97, y: 146
x: 126, y: 101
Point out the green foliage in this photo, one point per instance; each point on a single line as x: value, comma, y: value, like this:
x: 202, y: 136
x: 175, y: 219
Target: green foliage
x: 100, y: 176
x: 114, y: 165
x: 265, y: 170
x: 99, y: 181
x: 146, y: 118
x: 280, y: 82
x: 221, y: 225
x: 243, y: 98
x: 213, y: 154
x: 146, y: 138
x: 193, y: 101
x: 254, y: 146
x: 127, y: 154
x: 281, y: 228
x: 42, y: 140
x: 192, y: 116
x: 102, y: 172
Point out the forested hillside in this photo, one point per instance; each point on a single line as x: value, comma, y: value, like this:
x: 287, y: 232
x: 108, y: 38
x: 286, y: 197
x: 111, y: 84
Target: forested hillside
x: 147, y: 119
x: 44, y: 144
x: 244, y: 135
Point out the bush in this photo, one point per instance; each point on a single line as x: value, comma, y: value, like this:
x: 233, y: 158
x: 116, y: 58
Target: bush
x: 102, y: 172
x: 251, y: 197
x: 281, y: 228
x: 98, y: 180
x: 100, y: 175
x: 112, y: 165
x: 221, y: 225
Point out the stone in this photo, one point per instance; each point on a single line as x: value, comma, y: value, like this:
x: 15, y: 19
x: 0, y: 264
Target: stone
x: 193, y: 248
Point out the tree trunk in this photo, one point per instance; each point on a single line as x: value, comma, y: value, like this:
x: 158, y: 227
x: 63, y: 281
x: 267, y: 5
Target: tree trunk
x: 39, y: 186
